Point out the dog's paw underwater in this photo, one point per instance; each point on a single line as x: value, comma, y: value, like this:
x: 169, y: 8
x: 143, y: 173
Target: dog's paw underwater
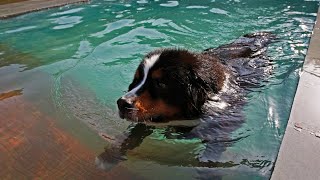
x: 173, y: 84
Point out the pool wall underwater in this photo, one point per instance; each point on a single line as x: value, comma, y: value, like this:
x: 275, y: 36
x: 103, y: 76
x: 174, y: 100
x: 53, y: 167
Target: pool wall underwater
x: 62, y: 70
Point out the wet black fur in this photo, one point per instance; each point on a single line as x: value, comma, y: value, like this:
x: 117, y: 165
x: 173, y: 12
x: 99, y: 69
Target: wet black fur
x: 187, y: 79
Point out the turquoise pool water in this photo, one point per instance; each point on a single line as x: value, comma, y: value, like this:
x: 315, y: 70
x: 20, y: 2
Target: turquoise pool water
x: 72, y: 63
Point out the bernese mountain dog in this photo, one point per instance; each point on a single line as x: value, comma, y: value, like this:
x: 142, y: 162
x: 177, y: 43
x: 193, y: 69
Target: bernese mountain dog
x: 177, y: 84
x: 173, y: 84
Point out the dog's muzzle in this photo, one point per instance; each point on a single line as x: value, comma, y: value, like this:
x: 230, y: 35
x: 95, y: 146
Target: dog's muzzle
x: 126, y: 105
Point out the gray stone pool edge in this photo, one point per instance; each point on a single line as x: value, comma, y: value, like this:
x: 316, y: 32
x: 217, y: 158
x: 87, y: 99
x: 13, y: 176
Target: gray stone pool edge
x: 19, y: 8
x: 299, y: 154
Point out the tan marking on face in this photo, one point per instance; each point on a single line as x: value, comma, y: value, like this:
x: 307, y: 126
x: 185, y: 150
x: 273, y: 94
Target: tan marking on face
x: 147, y: 107
x: 140, y: 106
x: 157, y: 74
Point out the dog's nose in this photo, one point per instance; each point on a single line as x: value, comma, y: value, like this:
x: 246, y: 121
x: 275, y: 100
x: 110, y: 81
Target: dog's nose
x: 124, y: 104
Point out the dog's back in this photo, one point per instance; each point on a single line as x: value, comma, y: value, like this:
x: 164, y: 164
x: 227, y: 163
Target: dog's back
x: 246, y: 57
x: 248, y: 65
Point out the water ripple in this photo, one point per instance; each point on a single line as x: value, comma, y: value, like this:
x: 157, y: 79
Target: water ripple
x: 197, y: 7
x: 20, y: 29
x: 71, y: 11
x: 66, y: 22
x: 170, y: 4
x: 218, y: 11
x: 114, y: 26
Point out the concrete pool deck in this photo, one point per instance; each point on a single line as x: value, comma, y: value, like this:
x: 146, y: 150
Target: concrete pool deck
x: 23, y: 7
x: 299, y: 155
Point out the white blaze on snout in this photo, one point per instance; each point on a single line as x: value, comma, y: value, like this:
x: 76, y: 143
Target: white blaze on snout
x: 148, y: 64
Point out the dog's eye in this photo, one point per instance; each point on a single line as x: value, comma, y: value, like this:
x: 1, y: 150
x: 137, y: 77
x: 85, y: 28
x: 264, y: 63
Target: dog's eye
x: 160, y: 84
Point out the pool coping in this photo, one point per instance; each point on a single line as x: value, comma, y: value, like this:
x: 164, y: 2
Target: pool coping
x: 299, y: 156
x: 19, y: 8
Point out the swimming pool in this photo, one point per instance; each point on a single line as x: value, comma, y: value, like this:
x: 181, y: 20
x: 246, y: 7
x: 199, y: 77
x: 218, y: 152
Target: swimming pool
x: 63, y: 69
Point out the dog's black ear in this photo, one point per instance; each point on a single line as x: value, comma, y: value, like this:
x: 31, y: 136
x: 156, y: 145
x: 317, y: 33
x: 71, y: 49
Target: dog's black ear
x: 210, y: 73
x: 196, y: 91
x: 191, y: 89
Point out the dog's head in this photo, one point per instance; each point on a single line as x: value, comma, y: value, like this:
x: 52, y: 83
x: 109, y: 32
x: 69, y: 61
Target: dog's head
x: 168, y: 84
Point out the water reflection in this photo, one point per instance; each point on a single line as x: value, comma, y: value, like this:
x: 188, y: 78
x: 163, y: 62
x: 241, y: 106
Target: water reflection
x: 20, y: 29
x: 170, y: 4
x: 11, y: 56
x: 66, y: 21
x: 71, y: 11
x: 218, y: 11
x: 114, y: 26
